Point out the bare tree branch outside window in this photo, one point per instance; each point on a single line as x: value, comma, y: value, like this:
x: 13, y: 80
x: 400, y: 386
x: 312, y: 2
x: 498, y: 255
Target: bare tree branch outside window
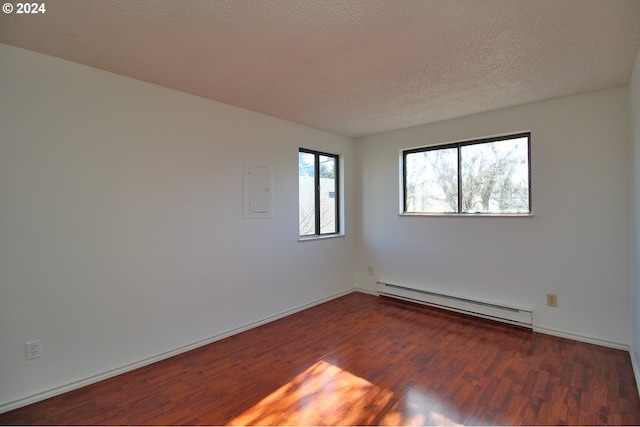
x: 486, y: 176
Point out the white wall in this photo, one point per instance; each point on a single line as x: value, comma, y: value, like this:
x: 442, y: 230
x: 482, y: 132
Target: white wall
x: 634, y: 92
x: 577, y: 244
x: 121, y: 229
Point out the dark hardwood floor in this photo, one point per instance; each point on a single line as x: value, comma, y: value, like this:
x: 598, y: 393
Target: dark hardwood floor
x: 363, y: 360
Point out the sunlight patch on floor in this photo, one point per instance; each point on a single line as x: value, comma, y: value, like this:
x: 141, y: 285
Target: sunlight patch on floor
x: 325, y: 394
x: 417, y: 408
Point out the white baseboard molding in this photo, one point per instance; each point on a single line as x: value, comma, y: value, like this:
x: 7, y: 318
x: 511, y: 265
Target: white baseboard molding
x: 366, y: 291
x: 582, y: 338
x: 557, y: 333
x: 28, y: 400
x: 636, y: 370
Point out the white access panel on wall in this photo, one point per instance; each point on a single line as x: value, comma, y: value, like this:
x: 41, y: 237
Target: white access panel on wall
x: 257, y: 191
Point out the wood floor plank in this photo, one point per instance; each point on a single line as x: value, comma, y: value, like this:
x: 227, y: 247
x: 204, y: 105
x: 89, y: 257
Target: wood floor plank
x: 363, y: 360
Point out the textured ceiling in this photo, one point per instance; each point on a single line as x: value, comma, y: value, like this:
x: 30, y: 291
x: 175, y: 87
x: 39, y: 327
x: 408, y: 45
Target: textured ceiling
x: 351, y: 67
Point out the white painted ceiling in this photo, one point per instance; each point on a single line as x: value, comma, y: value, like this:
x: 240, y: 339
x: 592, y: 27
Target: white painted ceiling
x: 351, y: 67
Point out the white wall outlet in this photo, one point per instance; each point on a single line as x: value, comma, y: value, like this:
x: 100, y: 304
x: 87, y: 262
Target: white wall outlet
x: 33, y: 350
x: 371, y: 270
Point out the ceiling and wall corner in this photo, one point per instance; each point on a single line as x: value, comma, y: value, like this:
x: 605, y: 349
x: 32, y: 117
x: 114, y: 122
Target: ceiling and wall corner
x: 353, y: 68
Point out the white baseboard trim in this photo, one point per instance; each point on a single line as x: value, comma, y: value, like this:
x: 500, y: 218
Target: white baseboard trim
x: 561, y: 334
x: 636, y: 370
x: 366, y: 291
x: 28, y: 400
x: 582, y: 338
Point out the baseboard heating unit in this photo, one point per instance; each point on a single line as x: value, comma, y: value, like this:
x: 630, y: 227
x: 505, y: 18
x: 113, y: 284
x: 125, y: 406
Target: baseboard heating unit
x: 513, y: 315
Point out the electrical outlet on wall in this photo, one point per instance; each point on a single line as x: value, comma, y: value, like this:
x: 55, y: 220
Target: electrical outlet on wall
x: 371, y: 270
x: 33, y: 349
x: 552, y: 300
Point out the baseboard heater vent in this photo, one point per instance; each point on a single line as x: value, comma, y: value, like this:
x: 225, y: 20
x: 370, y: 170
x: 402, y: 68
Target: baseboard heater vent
x: 515, y: 316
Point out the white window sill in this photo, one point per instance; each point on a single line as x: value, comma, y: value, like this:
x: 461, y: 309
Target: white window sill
x: 467, y: 215
x: 317, y: 237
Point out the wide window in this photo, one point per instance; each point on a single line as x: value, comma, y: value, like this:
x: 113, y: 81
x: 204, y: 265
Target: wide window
x: 318, y: 193
x: 487, y: 176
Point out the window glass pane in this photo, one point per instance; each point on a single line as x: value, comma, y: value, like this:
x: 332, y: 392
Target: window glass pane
x: 328, y: 199
x: 432, y: 181
x: 306, y: 191
x: 495, y: 176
